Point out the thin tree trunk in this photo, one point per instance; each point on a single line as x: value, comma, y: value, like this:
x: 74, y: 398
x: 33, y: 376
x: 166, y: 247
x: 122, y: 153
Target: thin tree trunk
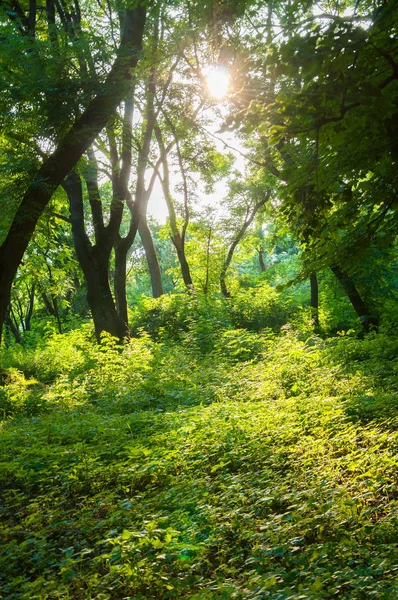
x: 177, y: 237
x: 151, y: 257
x: 120, y: 281
x: 364, y: 313
x: 12, y: 325
x: 314, y: 300
x: 70, y: 149
x: 137, y: 208
x: 263, y: 267
x: 56, y: 313
x: 207, y: 278
x: 29, y: 313
x: 179, y: 244
x: 245, y: 225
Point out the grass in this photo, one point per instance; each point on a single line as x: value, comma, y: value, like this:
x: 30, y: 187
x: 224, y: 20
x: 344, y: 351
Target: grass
x: 167, y: 473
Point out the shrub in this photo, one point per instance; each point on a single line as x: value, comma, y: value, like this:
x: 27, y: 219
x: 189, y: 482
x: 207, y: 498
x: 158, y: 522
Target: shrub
x: 19, y: 395
x: 260, y: 307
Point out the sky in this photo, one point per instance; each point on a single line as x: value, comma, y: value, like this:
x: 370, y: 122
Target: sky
x: 157, y: 206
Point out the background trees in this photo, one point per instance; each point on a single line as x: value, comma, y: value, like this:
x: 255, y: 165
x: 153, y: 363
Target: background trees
x: 312, y: 104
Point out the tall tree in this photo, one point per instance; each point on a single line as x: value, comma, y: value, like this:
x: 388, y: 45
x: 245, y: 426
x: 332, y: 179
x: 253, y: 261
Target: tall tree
x: 69, y: 150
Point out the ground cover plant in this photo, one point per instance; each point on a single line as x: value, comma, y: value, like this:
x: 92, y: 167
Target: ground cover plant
x: 161, y: 471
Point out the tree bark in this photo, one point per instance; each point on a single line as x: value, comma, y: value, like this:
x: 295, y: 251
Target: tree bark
x: 137, y: 207
x: 55, y: 168
x: 151, y: 257
x: 177, y: 237
x: 262, y: 264
x: 94, y: 262
x: 207, y: 277
x: 314, y: 300
x: 179, y: 244
x: 12, y: 325
x: 368, y: 320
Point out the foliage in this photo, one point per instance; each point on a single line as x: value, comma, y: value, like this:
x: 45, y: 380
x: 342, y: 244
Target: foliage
x: 177, y: 475
x: 261, y: 307
x: 242, y: 443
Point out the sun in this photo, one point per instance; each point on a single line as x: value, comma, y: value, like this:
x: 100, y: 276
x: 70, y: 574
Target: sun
x: 217, y: 78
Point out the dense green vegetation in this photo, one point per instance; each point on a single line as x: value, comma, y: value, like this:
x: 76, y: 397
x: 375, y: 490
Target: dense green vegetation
x: 262, y: 467
x: 198, y: 299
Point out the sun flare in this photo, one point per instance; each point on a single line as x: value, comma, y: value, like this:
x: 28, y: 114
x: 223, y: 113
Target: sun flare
x: 217, y: 78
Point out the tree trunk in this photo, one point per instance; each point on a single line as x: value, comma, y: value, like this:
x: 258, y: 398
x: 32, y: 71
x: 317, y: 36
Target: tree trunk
x: 249, y: 217
x: 314, y: 300
x: 51, y: 305
x: 177, y: 237
x: 137, y: 207
x: 100, y: 299
x: 29, y: 313
x: 185, y: 270
x: 263, y: 267
x: 362, y: 310
x: 70, y: 149
x: 12, y: 325
x: 207, y: 278
x: 119, y: 285
x: 94, y: 262
x: 151, y: 257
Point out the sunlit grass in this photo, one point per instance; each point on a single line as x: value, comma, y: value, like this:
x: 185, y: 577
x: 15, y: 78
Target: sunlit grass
x: 209, y: 476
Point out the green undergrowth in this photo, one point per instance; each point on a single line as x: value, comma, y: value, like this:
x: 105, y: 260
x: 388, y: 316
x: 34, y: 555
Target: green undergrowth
x: 265, y: 467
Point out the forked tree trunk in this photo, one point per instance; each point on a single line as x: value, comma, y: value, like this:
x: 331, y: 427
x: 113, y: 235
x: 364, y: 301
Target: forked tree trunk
x: 70, y: 149
x: 94, y: 262
x: 249, y: 217
x: 137, y: 207
x: 177, y: 236
x: 12, y: 325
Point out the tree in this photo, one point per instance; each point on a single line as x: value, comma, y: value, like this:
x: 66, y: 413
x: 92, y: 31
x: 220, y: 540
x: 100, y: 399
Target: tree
x: 310, y: 95
x: 69, y: 150
x: 246, y: 199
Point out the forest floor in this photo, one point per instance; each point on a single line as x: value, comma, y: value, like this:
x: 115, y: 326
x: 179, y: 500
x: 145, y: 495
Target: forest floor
x: 264, y: 468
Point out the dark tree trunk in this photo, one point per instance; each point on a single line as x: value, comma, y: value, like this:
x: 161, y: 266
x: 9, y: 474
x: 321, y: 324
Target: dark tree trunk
x: 314, y: 300
x: 151, y: 257
x: 12, y: 325
x: 57, y: 313
x: 207, y: 277
x: 69, y: 151
x: 99, y: 297
x: 29, y: 313
x: 94, y: 262
x: 263, y: 267
x: 47, y: 303
x: 122, y: 247
x: 52, y: 308
x: 364, y: 313
x: 180, y: 249
x: 137, y: 207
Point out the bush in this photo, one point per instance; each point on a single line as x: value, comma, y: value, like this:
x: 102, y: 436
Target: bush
x: 19, y: 395
x: 195, y: 318
x: 259, y: 308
